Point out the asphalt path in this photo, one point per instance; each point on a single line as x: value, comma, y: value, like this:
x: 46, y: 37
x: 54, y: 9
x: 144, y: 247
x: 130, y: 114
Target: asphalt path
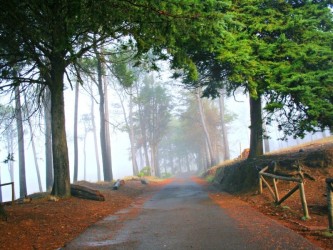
x: 182, y: 216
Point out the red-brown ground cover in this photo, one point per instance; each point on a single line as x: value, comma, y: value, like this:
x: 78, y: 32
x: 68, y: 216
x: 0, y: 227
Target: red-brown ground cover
x: 44, y: 224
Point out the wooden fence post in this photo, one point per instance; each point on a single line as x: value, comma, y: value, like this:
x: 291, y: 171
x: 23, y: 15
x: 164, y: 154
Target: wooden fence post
x: 13, y: 193
x: 13, y: 190
x: 303, y: 199
x: 329, y: 188
x: 277, y: 198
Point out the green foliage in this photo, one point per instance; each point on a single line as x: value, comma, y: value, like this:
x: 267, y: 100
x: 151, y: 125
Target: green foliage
x: 155, y: 110
x: 327, y: 234
x: 278, y: 49
x: 10, y: 157
x: 43, y: 38
x: 144, y: 172
x: 210, y: 178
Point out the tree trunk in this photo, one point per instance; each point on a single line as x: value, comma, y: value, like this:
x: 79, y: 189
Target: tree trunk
x: 187, y: 164
x: 33, y: 149
x: 130, y: 128
x: 203, y: 123
x: 104, y: 148
x: 20, y: 137
x: 35, y: 157
x: 256, y: 136
x: 153, y: 160
x: 10, y: 147
x: 48, y: 140
x: 0, y: 190
x: 76, y: 151
x: 61, y: 184
x: 142, y: 163
x: 143, y: 133
x: 132, y: 138
x: 107, y: 129
x: 223, y: 126
x: 85, y: 157
x: 95, y: 139
x: 208, y: 156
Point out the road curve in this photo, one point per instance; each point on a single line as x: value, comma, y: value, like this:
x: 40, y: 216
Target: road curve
x: 182, y: 216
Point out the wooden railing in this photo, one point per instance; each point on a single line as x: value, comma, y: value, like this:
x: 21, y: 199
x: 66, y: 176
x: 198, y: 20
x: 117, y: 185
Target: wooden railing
x: 13, y: 191
x: 329, y: 182
x: 274, y: 190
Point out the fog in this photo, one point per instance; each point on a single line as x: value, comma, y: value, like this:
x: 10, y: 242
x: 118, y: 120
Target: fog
x: 238, y: 133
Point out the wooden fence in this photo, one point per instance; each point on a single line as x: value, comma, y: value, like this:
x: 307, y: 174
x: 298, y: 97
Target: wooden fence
x: 274, y: 191
x: 329, y: 182
x: 13, y: 191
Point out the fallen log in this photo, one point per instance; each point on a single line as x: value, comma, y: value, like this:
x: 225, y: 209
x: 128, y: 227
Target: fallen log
x: 117, y: 184
x: 86, y: 193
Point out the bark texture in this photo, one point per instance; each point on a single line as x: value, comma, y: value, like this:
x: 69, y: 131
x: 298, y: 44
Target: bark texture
x: 256, y: 136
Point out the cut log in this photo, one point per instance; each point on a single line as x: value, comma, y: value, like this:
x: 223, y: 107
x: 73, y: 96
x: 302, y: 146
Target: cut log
x: 117, y: 184
x: 86, y: 193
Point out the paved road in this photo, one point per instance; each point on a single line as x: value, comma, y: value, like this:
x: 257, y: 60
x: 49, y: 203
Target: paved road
x: 182, y: 216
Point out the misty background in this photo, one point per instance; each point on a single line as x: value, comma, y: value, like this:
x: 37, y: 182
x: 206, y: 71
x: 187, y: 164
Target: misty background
x: 236, y: 106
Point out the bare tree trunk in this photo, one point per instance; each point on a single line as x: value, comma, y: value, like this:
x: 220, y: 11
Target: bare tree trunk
x: 142, y: 164
x: 187, y: 164
x: 256, y: 137
x: 85, y: 157
x: 132, y: 138
x: 35, y: 157
x: 76, y: 151
x: 103, y: 121
x: 203, y: 123
x: 48, y: 140
x: 207, y: 156
x: 20, y: 137
x: 95, y: 139
x: 10, y: 146
x: 107, y: 129
x: 33, y: 148
x: 143, y: 132
x: 130, y: 128
x: 153, y: 160
x: 223, y: 126
x: 157, y: 162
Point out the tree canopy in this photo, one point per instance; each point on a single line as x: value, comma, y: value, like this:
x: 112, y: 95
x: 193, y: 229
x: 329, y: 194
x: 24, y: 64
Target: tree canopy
x: 42, y: 38
x: 280, y: 50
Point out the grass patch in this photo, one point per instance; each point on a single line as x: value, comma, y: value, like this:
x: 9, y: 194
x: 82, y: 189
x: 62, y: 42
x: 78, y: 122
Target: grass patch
x: 209, y: 178
x: 327, y: 234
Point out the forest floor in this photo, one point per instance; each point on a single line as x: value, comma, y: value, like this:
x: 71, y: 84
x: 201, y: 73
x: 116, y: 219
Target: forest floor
x: 290, y: 212
x: 48, y: 224
x: 44, y: 224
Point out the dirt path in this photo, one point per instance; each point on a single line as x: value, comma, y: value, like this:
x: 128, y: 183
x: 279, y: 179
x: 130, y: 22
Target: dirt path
x: 184, y: 215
